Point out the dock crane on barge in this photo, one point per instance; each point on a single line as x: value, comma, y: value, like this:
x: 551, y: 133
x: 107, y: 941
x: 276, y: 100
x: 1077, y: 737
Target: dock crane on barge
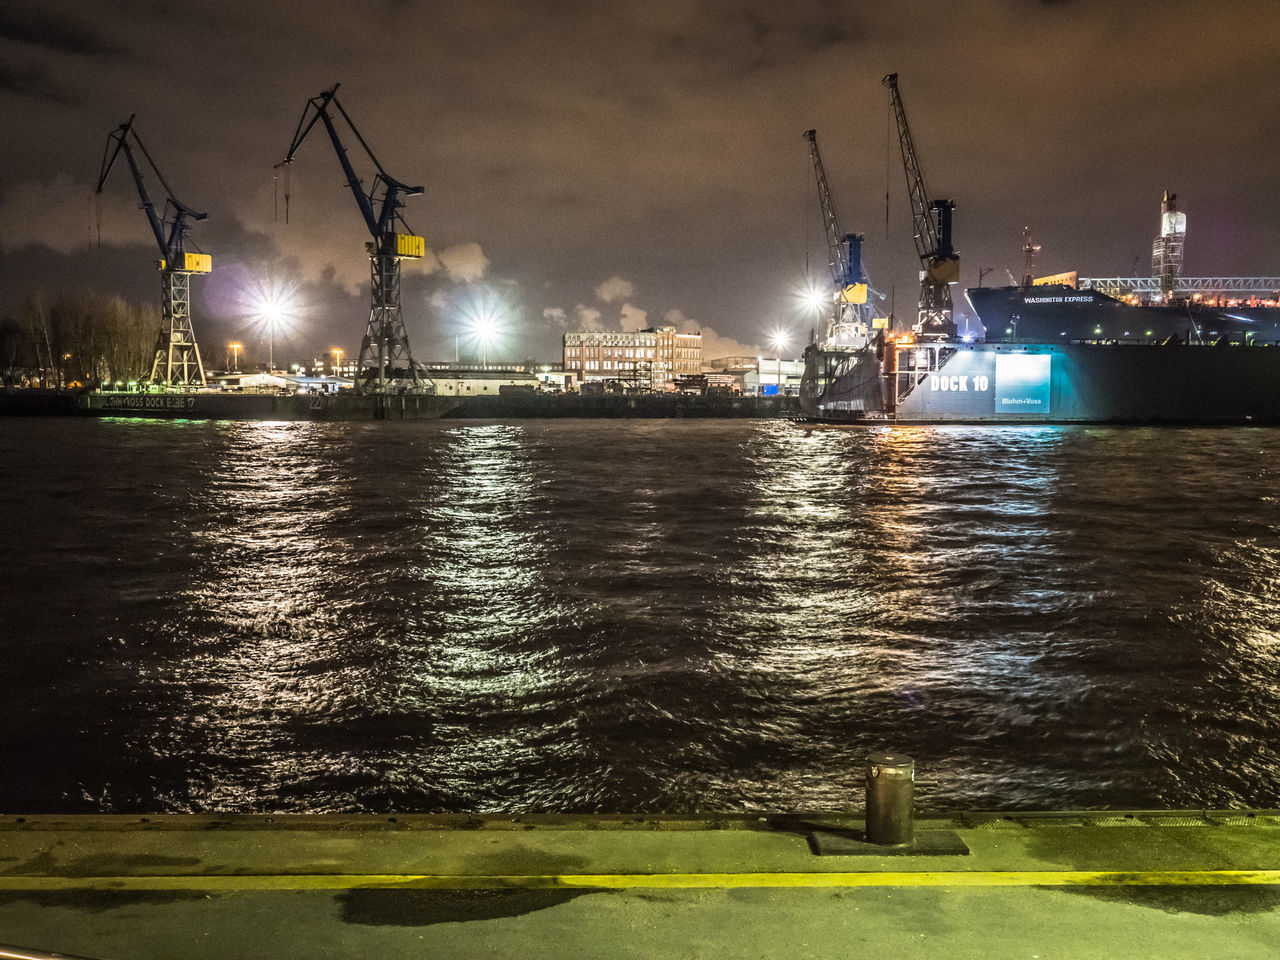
x: 177, y: 360
x: 385, y: 359
x: 854, y: 339
x: 931, y: 222
x: 851, y: 322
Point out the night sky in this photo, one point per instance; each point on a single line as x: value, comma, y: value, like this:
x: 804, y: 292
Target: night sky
x: 625, y: 164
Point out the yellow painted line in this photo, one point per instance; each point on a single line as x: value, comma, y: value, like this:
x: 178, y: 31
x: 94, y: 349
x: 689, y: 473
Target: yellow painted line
x: 617, y: 881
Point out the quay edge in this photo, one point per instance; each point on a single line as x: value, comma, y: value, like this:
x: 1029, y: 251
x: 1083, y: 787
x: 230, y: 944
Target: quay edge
x: 265, y: 406
x: 1087, y: 885
x: 200, y: 405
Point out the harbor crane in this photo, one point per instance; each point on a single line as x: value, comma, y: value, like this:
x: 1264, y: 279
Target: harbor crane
x: 931, y: 227
x: 851, y: 322
x: 385, y: 363
x: 177, y: 359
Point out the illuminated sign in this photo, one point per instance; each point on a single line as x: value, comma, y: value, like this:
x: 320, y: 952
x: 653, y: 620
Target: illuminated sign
x: 960, y: 383
x: 1022, y: 382
x: 1077, y: 298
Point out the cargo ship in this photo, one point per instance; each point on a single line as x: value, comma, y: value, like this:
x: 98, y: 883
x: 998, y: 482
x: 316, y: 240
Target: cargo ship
x: 1051, y: 312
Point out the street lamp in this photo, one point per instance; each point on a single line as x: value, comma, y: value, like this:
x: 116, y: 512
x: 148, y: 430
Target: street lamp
x: 813, y: 296
x: 235, y: 355
x: 270, y: 304
x: 485, y: 329
x: 271, y: 316
x: 337, y: 361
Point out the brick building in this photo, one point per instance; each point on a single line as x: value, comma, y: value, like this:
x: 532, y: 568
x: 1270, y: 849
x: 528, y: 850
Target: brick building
x: 645, y: 359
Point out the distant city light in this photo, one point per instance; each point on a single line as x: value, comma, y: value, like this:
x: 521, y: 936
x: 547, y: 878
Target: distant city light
x: 272, y: 306
x: 485, y: 328
x: 813, y: 296
x: 484, y: 317
x: 779, y: 339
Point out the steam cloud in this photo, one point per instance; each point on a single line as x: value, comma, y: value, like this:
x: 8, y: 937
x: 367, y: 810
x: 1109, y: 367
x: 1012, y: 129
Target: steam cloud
x: 633, y: 318
x: 615, y: 289
x: 588, y: 317
x: 464, y: 262
x: 714, y: 346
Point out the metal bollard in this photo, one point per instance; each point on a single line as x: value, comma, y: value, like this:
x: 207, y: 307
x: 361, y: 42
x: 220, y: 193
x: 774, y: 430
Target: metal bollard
x: 890, y: 798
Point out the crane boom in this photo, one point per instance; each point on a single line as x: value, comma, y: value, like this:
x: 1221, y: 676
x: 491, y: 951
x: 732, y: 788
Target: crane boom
x: 931, y: 230
x: 382, y: 220
x: 850, y: 323
x: 385, y: 359
x: 177, y: 361
x: 835, y: 249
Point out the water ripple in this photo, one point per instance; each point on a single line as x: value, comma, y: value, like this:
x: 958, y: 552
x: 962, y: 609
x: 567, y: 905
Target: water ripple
x: 635, y: 616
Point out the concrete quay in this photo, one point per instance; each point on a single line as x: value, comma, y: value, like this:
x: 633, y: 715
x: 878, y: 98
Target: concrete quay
x: 990, y: 885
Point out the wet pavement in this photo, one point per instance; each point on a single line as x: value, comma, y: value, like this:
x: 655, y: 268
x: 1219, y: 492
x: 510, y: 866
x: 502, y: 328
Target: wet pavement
x: 1159, y: 884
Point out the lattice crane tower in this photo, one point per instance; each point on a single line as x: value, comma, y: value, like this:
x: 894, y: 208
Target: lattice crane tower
x: 177, y: 359
x: 386, y: 363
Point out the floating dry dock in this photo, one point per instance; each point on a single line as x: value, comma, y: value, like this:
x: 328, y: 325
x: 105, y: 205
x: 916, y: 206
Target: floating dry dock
x: 221, y: 405
x: 1078, y: 885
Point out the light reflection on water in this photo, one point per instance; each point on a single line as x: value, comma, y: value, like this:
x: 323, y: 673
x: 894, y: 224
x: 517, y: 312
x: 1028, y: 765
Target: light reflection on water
x: 629, y: 615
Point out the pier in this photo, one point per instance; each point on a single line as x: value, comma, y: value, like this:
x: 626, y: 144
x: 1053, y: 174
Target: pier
x: 992, y: 885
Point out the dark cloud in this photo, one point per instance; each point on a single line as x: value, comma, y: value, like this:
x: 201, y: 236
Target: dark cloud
x: 54, y: 32
x: 36, y: 82
x: 568, y: 141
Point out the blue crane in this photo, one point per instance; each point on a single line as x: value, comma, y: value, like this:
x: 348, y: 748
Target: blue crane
x: 177, y: 360
x: 931, y: 228
x: 851, y: 322
x: 385, y: 363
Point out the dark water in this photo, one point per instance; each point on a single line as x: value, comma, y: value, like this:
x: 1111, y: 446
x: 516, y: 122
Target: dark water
x: 634, y: 616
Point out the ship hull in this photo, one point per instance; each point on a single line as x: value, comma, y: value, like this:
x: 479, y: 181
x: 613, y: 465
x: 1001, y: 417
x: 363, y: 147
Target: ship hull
x: 259, y: 406
x: 1058, y: 313
x: 957, y: 382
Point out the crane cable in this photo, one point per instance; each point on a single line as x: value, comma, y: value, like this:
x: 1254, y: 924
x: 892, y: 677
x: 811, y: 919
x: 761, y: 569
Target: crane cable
x: 808, y: 220
x: 888, y: 155
x: 275, y: 192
